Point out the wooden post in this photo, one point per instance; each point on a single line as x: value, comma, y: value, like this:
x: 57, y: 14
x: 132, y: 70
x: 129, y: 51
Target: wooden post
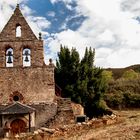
x: 29, y: 122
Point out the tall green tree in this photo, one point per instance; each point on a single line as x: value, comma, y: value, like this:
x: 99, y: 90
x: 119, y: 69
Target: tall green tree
x: 66, y: 72
x: 81, y: 80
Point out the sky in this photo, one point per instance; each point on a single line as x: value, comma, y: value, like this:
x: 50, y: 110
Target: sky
x: 112, y: 27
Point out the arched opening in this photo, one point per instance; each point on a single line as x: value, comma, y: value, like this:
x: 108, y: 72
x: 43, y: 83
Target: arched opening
x: 18, y: 30
x: 18, y: 126
x: 16, y: 96
x: 26, y: 57
x: 9, y: 57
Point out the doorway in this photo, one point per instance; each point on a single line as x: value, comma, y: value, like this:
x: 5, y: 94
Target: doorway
x: 18, y: 126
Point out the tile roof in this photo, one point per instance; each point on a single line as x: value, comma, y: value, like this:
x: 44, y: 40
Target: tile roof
x: 17, y: 108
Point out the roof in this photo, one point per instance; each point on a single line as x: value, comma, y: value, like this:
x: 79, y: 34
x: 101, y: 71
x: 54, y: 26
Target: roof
x: 17, y: 108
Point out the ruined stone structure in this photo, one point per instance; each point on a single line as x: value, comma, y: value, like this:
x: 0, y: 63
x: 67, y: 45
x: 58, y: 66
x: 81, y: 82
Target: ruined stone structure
x: 26, y: 82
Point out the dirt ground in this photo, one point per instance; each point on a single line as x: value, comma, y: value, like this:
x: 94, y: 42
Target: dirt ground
x: 128, y: 129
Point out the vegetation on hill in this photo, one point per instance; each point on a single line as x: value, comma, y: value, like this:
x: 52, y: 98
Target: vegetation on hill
x: 118, y: 72
x: 81, y: 81
x: 124, y: 92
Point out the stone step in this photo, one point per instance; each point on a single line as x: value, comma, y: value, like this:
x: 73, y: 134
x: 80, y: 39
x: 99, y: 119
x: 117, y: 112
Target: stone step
x: 64, y: 104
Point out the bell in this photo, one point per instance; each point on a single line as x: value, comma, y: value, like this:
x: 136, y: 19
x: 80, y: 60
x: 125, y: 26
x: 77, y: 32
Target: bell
x: 9, y: 53
x: 9, y: 60
x: 26, y: 59
x: 26, y: 53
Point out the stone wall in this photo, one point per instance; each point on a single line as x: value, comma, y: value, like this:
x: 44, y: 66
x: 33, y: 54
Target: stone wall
x: 9, y: 31
x: 44, y: 111
x: 64, y: 114
x: 35, y: 46
x: 77, y: 109
x: 30, y: 84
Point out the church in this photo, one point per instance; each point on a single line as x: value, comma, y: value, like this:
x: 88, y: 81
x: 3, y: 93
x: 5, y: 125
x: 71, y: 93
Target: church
x: 27, y: 87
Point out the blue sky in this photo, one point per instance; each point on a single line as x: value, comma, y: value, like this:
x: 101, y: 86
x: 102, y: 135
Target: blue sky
x: 58, y: 14
x: 112, y: 27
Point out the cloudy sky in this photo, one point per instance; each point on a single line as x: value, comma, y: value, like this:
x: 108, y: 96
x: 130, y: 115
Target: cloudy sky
x: 112, y: 27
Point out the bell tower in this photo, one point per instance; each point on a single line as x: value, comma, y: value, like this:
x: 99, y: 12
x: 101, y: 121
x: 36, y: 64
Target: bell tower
x: 19, y: 46
x: 23, y: 73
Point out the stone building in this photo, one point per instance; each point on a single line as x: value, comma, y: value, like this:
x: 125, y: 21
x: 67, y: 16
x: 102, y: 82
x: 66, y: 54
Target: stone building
x: 27, y: 87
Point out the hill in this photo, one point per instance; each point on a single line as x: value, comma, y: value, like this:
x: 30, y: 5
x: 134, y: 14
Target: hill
x: 118, y: 72
x: 124, y: 88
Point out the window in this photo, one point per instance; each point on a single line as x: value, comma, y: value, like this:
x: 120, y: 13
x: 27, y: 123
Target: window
x: 9, y: 57
x: 26, y: 57
x: 18, y: 30
x: 16, y: 98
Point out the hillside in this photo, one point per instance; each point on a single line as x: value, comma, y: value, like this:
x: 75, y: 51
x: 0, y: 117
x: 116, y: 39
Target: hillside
x: 118, y: 72
x: 124, y: 88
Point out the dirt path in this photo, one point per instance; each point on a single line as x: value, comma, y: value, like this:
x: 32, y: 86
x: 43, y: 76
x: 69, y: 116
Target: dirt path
x: 129, y: 129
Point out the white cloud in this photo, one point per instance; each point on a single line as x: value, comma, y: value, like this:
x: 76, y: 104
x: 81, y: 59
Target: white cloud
x: 65, y: 1
x: 111, y: 28
x: 50, y: 14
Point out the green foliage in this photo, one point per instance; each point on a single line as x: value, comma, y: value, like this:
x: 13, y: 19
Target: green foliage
x: 66, y: 72
x: 115, y: 100
x: 81, y: 80
x: 123, y: 93
x: 107, y: 75
x: 130, y: 74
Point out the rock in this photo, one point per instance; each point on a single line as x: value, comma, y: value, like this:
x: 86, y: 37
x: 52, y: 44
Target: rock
x: 47, y: 130
x: 36, y: 132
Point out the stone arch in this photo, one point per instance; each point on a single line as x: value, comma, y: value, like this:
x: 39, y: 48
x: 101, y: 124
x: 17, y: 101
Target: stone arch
x: 18, y: 30
x: 16, y: 124
x: 9, y: 56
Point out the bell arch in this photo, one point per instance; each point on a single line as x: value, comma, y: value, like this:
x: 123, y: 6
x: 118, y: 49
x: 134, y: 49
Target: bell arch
x: 9, y: 56
x: 26, y: 57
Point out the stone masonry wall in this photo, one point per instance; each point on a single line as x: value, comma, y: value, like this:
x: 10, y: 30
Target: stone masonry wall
x: 64, y: 114
x: 44, y: 112
x: 35, y: 46
x: 31, y: 84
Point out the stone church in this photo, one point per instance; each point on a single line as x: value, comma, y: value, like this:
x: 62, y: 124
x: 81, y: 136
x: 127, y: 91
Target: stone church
x: 27, y: 87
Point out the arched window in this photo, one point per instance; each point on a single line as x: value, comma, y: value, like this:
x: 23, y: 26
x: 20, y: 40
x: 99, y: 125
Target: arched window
x: 9, y: 57
x: 26, y: 57
x: 18, y: 30
x: 16, y: 96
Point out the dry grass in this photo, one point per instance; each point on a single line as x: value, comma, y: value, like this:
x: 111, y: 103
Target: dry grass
x: 129, y: 129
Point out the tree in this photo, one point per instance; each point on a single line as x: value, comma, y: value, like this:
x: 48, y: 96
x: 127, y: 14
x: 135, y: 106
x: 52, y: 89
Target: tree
x: 81, y: 80
x: 66, y: 72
